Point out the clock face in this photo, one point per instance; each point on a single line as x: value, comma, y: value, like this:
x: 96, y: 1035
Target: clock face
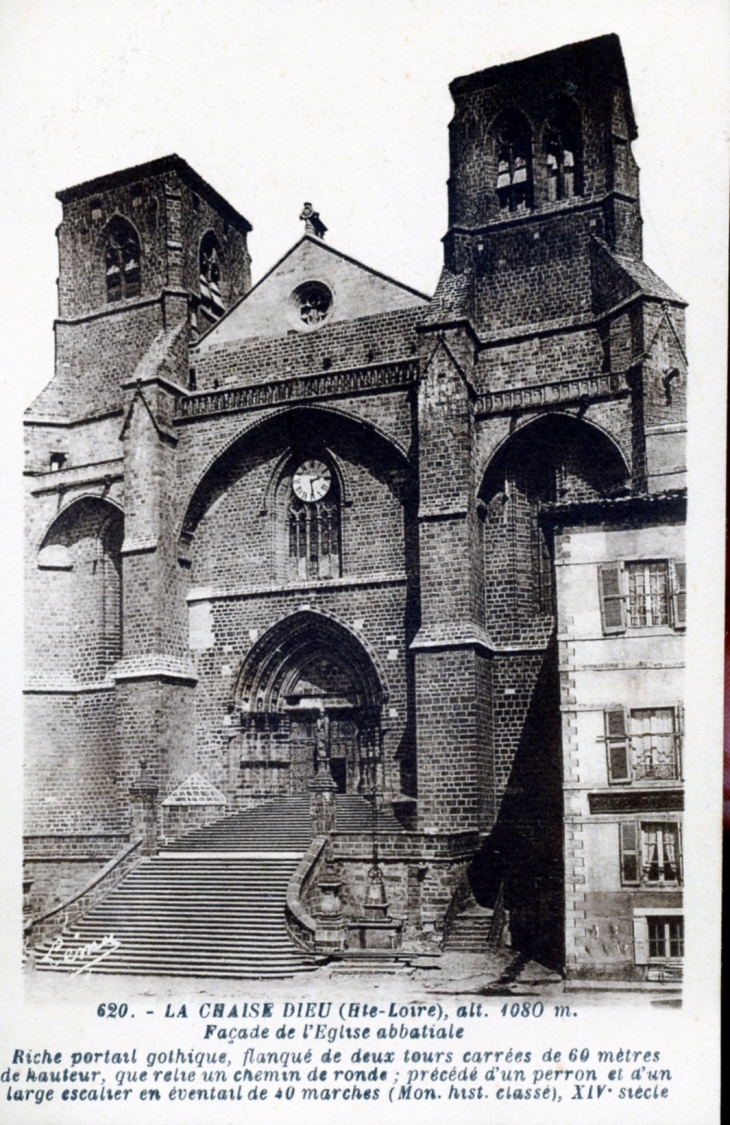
x: 311, y: 481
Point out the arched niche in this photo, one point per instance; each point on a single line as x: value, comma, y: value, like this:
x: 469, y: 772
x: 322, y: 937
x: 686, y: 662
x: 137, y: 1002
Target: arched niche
x: 79, y: 610
x: 555, y: 459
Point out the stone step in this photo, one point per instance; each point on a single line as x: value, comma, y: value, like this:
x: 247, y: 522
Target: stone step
x: 374, y: 968
x: 469, y: 930
x: 281, y: 823
x: 241, y: 972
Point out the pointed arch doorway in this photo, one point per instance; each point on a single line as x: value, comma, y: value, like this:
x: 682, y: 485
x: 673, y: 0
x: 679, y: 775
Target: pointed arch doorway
x: 310, y: 690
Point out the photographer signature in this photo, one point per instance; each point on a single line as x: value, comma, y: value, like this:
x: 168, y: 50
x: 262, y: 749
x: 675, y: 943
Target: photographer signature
x: 83, y: 956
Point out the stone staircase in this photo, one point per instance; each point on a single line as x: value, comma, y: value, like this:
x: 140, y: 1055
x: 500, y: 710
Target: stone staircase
x: 284, y: 823
x: 189, y: 915
x: 469, y: 931
x: 210, y: 904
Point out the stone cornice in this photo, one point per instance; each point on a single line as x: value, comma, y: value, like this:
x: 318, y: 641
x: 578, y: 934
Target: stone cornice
x: 609, y: 384
x: 324, y: 585
x: 324, y: 384
x: 154, y: 666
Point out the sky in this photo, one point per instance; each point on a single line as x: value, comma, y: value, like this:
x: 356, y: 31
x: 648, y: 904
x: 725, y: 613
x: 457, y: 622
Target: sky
x: 345, y: 104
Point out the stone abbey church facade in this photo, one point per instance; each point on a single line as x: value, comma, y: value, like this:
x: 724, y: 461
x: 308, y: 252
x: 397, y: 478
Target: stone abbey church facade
x: 328, y: 537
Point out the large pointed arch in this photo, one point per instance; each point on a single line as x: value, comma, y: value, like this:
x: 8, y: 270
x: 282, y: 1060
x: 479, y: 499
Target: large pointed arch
x: 302, y: 423
x: 289, y: 647
x: 108, y: 512
x: 310, y: 690
x: 559, y: 428
x: 556, y: 458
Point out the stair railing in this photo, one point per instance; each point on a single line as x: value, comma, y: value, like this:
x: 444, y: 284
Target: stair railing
x: 301, y: 925
x: 461, y: 896
x: 66, y: 914
x: 499, y: 919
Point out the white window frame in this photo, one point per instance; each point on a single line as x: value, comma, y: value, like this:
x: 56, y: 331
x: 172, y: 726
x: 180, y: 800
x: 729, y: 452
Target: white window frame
x: 641, y: 934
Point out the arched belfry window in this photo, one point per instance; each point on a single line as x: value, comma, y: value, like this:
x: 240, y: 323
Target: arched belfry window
x: 564, y: 152
x: 313, y: 519
x: 121, y: 261
x: 513, y: 138
x: 210, y: 275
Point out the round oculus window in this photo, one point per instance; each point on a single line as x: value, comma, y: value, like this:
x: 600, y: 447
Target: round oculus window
x: 312, y: 303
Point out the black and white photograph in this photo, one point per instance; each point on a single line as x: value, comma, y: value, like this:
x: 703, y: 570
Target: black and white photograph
x: 364, y: 560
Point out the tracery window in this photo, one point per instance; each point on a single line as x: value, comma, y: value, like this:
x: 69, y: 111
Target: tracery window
x: 313, y: 516
x: 311, y: 304
x: 122, y: 261
x: 210, y: 275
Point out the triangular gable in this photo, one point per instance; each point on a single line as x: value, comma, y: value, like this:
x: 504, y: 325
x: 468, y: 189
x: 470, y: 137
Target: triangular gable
x: 195, y: 790
x: 271, y: 308
x: 666, y: 342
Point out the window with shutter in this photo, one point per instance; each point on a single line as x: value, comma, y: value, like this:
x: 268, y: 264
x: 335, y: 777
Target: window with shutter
x: 679, y: 593
x: 651, y: 853
x: 617, y: 745
x: 613, y: 604
x: 679, y: 721
x: 660, y: 853
x: 654, y: 744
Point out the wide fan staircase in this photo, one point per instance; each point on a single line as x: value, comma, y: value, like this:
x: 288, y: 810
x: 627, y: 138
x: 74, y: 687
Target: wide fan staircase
x: 211, y: 903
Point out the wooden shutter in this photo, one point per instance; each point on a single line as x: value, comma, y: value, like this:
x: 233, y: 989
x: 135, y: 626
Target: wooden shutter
x: 679, y: 593
x: 641, y: 941
x: 679, y: 737
x: 629, y: 852
x: 613, y: 604
x: 617, y: 745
